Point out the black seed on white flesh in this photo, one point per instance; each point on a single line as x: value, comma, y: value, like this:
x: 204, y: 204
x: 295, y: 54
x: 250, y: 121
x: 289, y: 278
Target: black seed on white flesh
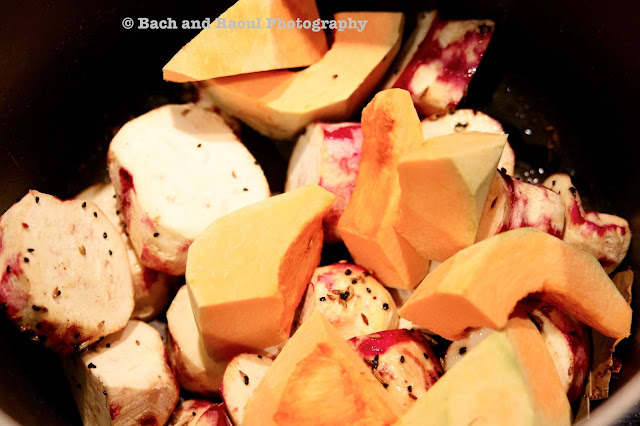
x: 194, y: 369
x: 175, y: 173
x: 62, y: 282
x: 151, y: 288
x: 124, y: 380
x: 403, y: 362
x: 458, y: 349
x: 241, y: 378
x: 190, y: 412
x: 351, y: 299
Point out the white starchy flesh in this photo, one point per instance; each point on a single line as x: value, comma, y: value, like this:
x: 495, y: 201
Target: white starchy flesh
x: 176, y: 169
x: 65, y: 274
x: 558, y: 348
x: 205, y: 102
x: 568, y: 342
x: 469, y: 120
x: 513, y: 204
x: 188, y: 412
x: 423, y: 25
x: 458, y: 349
x: 606, y: 237
x: 351, y: 299
x: 125, y: 379
x: 402, y: 361
x: 194, y: 369
x: 241, y: 378
x: 328, y: 155
x: 151, y: 288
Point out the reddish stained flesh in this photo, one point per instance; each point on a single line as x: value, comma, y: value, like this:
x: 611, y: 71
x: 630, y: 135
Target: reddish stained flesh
x: 149, y: 277
x: 372, y: 346
x: 13, y: 296
x: 343, y: 132
x: 153, y: 261
x: 521, y: 203
x: 114, y: 411
x: 62, y: 342
x: 329, y: 278
x: 126, y: 181
x: 578, y: 219
x: 215, y: 415
x: 146, y: 220
x: 456, y: 68
x: 148, y: 420
x: 126, y: 186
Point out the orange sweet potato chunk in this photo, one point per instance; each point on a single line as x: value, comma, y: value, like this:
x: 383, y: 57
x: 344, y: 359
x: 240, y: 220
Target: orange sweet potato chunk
x: 390, y: 128
x: 241, y: 41
x: 279, y: 104
x: 319, y: 380
x: 443, y: 189
x: 480, y: 286
x: 247, y: 272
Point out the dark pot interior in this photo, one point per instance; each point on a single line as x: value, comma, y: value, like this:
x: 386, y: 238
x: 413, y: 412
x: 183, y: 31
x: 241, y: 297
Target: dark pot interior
x: 70, y: 75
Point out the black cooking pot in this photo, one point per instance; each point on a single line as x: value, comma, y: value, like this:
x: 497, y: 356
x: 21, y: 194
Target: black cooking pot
x: 562, y: 76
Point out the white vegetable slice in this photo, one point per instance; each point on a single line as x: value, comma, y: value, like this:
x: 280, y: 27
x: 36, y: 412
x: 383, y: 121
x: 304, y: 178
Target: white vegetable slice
x: 194, y: 369
x: 65, y: 274
x: 351, y: 299
x: 513, y: 204
x: 176, y: 169
x: 402, y: 361
x: 469, y: 120
x: 124, y: 380
x: 151, y: 288
x: 241, y: 378
x: 605, y: 236
x: 328, y: 155
x: 198, y: 412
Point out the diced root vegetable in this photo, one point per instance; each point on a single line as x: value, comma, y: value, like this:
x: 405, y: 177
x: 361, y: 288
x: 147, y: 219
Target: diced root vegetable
x: 513, y: 204
x: 480, y: 285
x: 151, y: 288
x: 194, y: 369
x: 65, y: 277
x: 241, y: 378
x: 390, y: 128
x: 469, y: 120
x: 204, y: 170
x: 568, y: 342
x: 281, y: 103
x: 443, y: 189
x: 328, y: 155
x: 256, y: 304
x: 213, y: 53
x: 605, y: 236
x: 124, y: 380
x: 442, y: 62
x: 351, y: 299
x: 188, y: 412
x: 402, y: 361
